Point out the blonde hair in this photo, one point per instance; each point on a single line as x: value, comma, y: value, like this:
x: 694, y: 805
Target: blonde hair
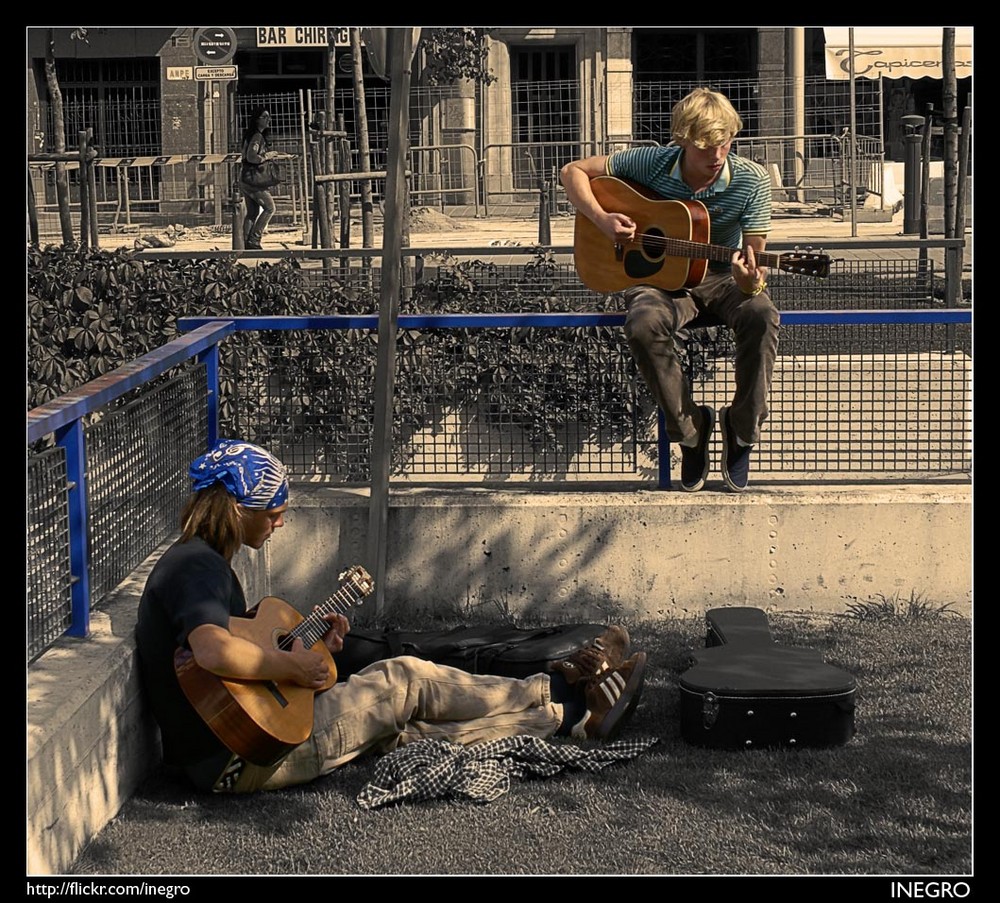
x: 214, y: 515
x: 705, y: 118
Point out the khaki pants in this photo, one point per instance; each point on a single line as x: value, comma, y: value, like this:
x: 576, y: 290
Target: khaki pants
x: 400, y: 700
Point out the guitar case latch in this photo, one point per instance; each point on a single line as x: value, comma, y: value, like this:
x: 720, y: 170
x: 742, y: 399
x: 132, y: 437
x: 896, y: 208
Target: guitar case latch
x: 709, y: 711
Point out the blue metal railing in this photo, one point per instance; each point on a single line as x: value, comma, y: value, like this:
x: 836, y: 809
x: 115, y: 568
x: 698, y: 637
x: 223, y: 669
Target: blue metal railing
x: 64, y: 417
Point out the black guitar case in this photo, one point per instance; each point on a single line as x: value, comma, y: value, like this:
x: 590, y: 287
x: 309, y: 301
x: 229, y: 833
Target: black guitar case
x: 745, y: 691
x: 489, y: 649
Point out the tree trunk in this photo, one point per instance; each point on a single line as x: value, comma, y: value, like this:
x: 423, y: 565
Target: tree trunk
x: 59, y: 127
x: 364, y: 155
x: 949, y: 95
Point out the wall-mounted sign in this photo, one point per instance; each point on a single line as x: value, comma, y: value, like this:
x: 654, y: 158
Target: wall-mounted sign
x: 180, y: 73
x: 215, y: 73
x: 301, y: 36
x: 215, y: 46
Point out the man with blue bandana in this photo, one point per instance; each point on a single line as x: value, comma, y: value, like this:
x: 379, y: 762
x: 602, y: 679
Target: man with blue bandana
x: 240, y: 496
x: 698, y: 166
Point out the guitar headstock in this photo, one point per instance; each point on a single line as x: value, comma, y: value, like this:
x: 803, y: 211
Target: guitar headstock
x: 358, y: 579
x: 805, y: 263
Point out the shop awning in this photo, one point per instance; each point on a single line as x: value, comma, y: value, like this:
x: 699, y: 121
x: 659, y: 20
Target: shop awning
x: 895, y: 52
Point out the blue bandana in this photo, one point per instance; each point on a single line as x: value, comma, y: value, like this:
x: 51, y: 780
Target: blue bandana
x: 254, y: 476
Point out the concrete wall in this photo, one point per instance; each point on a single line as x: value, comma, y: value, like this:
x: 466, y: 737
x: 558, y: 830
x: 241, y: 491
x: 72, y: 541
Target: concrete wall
x: 557, y: 554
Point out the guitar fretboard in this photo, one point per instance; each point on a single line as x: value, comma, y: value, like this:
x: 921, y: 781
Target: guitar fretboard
x: 314, y: 626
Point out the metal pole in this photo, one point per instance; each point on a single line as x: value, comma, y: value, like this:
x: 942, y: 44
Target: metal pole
x: 913, y: 126
x: 84, y: 193
x: 400, y: 45
x: 73, y: 442
x: 853, y: 150
x: 798, y: 65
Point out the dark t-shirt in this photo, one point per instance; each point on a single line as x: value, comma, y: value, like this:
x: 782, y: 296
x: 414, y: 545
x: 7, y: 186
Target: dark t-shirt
x: 189, y: 586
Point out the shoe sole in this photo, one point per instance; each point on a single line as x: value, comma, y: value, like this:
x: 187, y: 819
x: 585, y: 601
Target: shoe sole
x: 622, y: 710
x: 723, y: 420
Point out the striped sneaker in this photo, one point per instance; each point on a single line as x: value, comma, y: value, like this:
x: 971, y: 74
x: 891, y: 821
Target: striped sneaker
x: 611, y: 699
x: 605, y: 652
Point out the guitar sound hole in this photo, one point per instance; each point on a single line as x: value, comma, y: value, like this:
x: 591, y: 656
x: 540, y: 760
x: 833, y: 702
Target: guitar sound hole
x: 652, y: 243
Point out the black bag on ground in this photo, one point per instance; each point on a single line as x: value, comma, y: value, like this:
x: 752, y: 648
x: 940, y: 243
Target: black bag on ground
x: 490, y: 649
x: 745, y: 691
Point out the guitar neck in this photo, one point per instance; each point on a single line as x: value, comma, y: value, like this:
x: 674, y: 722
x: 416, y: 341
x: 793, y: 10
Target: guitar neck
x: 677, y: 247
x: 313, y: 627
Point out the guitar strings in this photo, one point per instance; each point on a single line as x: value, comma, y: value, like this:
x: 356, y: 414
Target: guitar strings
x: 684, y: 248
x: 312, y: 628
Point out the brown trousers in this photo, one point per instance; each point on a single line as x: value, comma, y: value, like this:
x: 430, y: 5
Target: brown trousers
x: 652, y: 321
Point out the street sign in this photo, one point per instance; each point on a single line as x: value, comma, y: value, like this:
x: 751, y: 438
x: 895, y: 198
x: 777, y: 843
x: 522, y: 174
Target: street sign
x: 215, y: 46
x: 215, y: 73
x: 180, y: 73
x: 301, y: 36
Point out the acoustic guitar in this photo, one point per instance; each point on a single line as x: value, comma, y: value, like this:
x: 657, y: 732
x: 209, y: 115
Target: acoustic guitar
x: 263, y: 720
x: 671, y: 248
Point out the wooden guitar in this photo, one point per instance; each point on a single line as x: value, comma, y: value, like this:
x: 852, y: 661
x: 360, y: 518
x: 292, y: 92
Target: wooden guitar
x: 262, y: 720
x: 671, y: 248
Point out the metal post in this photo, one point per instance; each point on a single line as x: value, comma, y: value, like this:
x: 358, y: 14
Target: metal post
x: 210, y: 358
x: 71, y: 439
x: 913, y: 126
x: 84, y: 193
x: 238, y: 214
x: 662, y: 451
x: 544, y: 222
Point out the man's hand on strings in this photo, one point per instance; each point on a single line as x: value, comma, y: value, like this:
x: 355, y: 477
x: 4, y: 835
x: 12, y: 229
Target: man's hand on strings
x: 748, y: 276
x: 339, y: 628
x: 618, y: 227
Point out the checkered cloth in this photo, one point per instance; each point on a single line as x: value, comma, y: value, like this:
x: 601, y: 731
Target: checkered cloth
x: 439, y: 769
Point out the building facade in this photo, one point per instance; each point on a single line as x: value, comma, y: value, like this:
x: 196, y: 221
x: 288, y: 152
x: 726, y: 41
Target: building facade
x: 552, y: 94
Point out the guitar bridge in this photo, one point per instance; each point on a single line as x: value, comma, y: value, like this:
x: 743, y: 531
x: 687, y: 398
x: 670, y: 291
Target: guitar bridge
x: 272, y: 688
x: 619, y: 252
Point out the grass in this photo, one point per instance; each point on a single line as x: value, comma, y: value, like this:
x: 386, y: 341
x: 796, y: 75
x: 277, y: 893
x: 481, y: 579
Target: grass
x: 895, y: 800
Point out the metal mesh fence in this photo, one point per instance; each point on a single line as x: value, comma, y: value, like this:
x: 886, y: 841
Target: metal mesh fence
x: 558, y: 402
x: 764, y: 104
x: 47, y: 572
x: 306, y: 396
x: 534, y: 402
x: 118, y: 98
x: 892, y: 400
x: 137, y: 458
x: 545, y: 133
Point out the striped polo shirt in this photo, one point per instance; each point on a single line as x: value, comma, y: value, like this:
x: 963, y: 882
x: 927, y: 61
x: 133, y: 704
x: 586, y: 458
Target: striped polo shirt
x: 738, y: 202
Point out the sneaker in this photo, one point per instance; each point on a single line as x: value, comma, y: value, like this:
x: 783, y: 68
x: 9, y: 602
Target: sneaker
x: 606, y: 652
x: 694, y: 461
x: 735, y: 457
x: 611, y: 698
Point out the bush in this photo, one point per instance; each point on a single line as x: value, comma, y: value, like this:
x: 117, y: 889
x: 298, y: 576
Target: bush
x: 92, y: 310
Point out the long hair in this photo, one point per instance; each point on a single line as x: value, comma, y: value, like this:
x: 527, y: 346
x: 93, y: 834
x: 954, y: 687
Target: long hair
x: 214, y: 515
x: 251, y: 126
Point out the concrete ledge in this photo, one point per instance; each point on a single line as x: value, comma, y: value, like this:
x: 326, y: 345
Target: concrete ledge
x: 549, y: 553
